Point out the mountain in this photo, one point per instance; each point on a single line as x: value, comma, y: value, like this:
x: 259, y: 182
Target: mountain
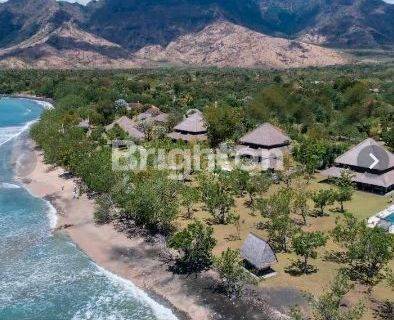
x: 128, y: 33
x: 66, y: 46
x: 338, y: 23
x: 228, y: 45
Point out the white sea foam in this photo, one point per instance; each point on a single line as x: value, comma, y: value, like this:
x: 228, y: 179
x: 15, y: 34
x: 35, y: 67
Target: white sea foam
x: 6, y: 185
x: 159, y: 311
x: 51, y: 211
x: 45, y: 104
x: 52, y: 215
x: 9, y: 133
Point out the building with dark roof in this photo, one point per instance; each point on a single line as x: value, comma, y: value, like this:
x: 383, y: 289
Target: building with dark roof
x: 258, y: 253
x: 267, y: 144
x: 153, y: 114
x: 378, y: 179
x: 129, y: 127
x: 192, y: 129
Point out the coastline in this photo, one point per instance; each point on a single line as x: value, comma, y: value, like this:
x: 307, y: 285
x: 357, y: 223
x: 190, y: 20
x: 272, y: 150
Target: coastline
x: 75, y: 218
x: 46, y: 103
x: 132, y: 257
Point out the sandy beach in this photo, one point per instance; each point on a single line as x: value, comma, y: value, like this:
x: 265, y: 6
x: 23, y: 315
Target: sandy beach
x: 133, y: 257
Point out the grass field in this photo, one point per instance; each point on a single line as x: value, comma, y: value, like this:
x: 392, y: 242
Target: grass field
x: 363, y: 205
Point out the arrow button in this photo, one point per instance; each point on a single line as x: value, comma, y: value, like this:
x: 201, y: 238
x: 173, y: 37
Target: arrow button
x: 375, y: 161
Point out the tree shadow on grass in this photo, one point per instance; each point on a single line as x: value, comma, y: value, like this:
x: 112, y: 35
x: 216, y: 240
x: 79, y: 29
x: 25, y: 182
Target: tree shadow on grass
x: 335, y: 256
x: 296, y: 269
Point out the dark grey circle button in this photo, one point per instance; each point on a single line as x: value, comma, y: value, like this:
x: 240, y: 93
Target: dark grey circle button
x: 373, y: 158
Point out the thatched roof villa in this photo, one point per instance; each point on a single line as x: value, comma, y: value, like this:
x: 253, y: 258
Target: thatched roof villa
x: 258, y: 254
x: 129, y: 127
x: 379, y: 179
x: 265, y: 143
x: 193, y: 128
x: 152, y: 114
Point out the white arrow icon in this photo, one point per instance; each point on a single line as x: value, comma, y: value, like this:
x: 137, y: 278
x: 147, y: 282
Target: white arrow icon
x: 375, y: 161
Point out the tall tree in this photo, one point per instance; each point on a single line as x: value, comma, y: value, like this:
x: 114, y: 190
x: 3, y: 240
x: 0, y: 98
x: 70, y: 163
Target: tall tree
x: 195, y: 242
x: 223, y: 122
x: 256, y: 185
x: 300, y: 203
x: 345, y: 188
x: 189, y: 196
x: 230, y: 268
x: 328, y: 306
x: 305, y: 245
x: 323, y: 198
x: 218, y: 199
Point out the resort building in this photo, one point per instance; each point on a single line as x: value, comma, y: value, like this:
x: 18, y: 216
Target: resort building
x: 192, y: 129
x: 153, y: 114
x: 379, y: 179
x: 266, y: 144
x: 129, y: 127
x: 258, y: 255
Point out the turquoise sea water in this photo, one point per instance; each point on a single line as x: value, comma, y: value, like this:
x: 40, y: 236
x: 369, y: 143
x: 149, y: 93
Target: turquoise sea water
x: 44, y: 276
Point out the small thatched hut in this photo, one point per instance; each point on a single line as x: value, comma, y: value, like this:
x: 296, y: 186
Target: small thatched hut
x: 258, y: 253
x: 192, y: 128
x: 129, y: 127
x: 265, y: 144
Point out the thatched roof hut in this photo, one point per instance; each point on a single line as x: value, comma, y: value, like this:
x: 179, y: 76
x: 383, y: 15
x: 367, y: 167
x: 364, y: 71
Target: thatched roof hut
x: 350, y: 158
x: 257, y: 252
x: 265, y: 136
x: 266, y: 144
x: 192, y: 128
x: 154, y: 114
x: 379, y: 179
x: 129, y: 127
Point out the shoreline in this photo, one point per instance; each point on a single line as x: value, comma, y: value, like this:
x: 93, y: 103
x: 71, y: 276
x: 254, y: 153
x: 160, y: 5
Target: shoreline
x: 44, y: 182
x: 133, y: 257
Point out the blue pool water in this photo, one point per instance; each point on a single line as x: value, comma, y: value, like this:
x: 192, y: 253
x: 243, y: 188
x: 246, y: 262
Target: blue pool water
x: 390, y: 218
x: 44, y: 276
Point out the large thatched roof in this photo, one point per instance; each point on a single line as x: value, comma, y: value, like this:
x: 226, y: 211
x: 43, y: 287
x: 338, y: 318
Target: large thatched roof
x: 385, y: 180
x: 194, y: 123
x: 258, y: 252
x: 266, y: 135
x: 272, y: 158
x: 128, y: 126
x: 350, y: 158
x: 153, y: 113
x: 187, y: 137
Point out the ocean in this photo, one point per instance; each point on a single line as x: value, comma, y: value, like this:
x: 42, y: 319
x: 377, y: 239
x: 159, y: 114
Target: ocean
x: 43, y: 275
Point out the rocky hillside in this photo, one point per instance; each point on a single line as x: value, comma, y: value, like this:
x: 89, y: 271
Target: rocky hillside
x: 65, y: 47
x: 228, y: 45
x: 128, y: 33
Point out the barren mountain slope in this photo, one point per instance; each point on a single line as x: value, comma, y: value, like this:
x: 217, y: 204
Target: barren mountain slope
x: 64, y: 47
x: 226, y: 44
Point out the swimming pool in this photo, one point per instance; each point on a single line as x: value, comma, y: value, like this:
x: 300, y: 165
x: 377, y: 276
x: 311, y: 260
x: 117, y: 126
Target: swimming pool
x: 390, y: 218
x: 383, y: 219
